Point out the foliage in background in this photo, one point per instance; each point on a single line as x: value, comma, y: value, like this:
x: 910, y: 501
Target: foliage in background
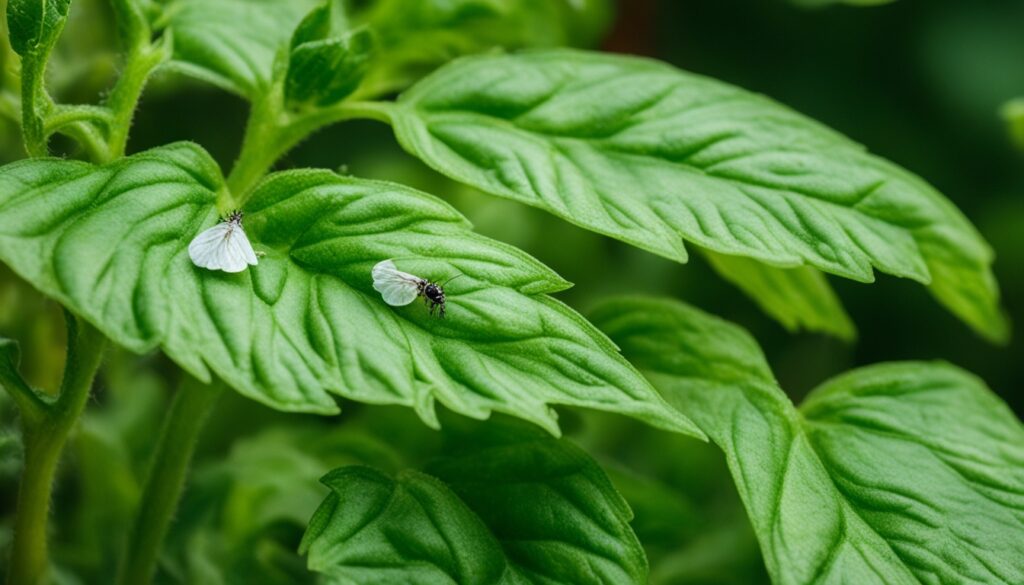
x: 564, y: 131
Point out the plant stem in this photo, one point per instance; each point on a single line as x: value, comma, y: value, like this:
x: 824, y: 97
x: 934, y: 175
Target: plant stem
x: 261, y: 146
x: 166, y: 479
x: 272, y: 132
x: 44, y: 436
x: 124, y: 97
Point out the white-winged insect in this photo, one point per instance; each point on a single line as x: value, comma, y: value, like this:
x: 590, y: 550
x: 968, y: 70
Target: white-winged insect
x: 401, y: 288
x: 223, y: 247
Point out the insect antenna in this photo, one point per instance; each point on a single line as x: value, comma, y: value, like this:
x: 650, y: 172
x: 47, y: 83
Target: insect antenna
x: 451, y: 279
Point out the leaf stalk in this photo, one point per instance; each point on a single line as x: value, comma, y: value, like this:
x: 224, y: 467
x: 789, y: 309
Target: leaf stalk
x: 165, y: 481
x: 45, y: 429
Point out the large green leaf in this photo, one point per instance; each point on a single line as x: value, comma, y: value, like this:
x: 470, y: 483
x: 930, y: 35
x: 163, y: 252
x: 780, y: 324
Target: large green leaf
x: 799, y: 298
x: 897, y: 473
x: 506, y: 507
x: 651, y: 155
x: 231, y: 43
x: 111, y: 243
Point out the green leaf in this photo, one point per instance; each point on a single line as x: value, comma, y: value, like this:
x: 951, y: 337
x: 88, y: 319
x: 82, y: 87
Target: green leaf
x: 799, y: 298
x: 34, y: 25
x: 231, y: 43
x: 329, y: 19
x: 324, y: 71
x: 652, y: 155
x: 897, y: 473
x: 507, y: 507
x: 110, y: 243
x: 243, y: 516
x: 1013, y: 113
x: 418, y: 35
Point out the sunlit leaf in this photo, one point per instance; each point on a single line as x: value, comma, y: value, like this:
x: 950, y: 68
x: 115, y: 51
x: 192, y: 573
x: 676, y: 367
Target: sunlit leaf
x: 898, y: 473
x: 111, y: 244
x: 651, y: 155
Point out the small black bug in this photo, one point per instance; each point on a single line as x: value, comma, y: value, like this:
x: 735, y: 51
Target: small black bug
x: 401, y: 288
x: 433, y: 296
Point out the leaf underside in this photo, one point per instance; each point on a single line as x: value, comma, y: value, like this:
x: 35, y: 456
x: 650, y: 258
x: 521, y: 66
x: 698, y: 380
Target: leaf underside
x: 651, y: 155
x: 798, y: 298
x: 896, y: 473
x: 110, y: 243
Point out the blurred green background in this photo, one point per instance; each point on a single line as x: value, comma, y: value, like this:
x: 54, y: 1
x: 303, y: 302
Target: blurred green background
x: 920, y: 82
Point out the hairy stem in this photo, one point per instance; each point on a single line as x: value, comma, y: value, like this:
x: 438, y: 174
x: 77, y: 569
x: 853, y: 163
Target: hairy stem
x: 124, y: 97
x: 45, y: 433
x: 166, y: 479
x: 271, y: 133
x: 261, y: 147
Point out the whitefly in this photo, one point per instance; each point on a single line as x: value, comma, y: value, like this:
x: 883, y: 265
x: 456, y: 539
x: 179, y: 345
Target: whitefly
x: 223, y: 247
x: 399, y: 288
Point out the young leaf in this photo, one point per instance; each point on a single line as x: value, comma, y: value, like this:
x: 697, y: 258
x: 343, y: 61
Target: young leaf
x: 231, y: 43
x: 324, y: 71
x: 511, y: 508
x: 33, y: 29
x: 799, y: 298
x: 111, y: 243
x: 35, y: 25
x: 652, y: 155
x: 898, y: 473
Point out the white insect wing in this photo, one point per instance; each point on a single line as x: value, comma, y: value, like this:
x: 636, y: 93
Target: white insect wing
x: 396, y: 287
x: 223, y: 247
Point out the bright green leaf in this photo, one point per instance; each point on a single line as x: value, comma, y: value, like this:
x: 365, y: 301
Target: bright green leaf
x: 111, y: 244
x: 651, y: 155
x: 505, y: 508
x: 231, y: 43
x: 799, y: 298
x: 898, y: 473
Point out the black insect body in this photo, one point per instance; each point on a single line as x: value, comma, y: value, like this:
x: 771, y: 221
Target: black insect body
x: 401, y: 288
x: 433, y: 296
